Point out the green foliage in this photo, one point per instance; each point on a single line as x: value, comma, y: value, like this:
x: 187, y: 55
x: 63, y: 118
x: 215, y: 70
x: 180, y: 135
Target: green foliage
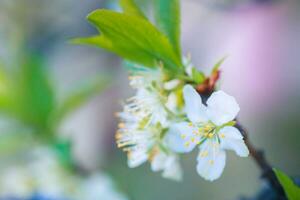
x: 133, y: 38
x: 27, y: 94
x: 130, y: 7
x: 218, y: 64
x: 167, y: 15
x: 292, y: 191
x: 197, y: 76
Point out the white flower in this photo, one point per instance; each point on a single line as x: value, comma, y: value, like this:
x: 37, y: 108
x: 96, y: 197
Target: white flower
x: 134, y: 138
x: 98, y: 186
x: 141, y: 144
x: 210, y: 127
x: 148, y: 103
x: 143, y: 77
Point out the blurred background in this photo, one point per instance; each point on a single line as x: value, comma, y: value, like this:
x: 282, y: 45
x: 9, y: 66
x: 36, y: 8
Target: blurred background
x: 57, y: 100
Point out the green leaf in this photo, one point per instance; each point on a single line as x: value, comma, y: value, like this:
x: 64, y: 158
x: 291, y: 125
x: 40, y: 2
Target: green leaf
x: 131, y: 37
x: 64, y: 152
x: 218, y: 64
x: 167, y: 15
x: 80, y: 95
x: 130, y: 7
x: 30, y: 92
x: 36, y: 91
x: 197, y: 76
x: 292, y: 191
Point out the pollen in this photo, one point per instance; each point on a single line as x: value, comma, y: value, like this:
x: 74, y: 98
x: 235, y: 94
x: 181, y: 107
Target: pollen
x: 211, y: 162
x: 187, y: 144
x: 210, y: 135
x: 190, y: 124
x: 222, y: 135
x: 204, y: 153
x: 183, y: 136
x: 121, y: 125
x: 193, y: 140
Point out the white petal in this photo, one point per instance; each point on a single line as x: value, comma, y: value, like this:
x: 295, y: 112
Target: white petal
x: 211, y: 161
x: 179, y: 138
x: 222, y: 108
x: 232, y: 139
x: 172, y: 84
x: 158, y: 162
x: 195, y: 110
x: 136, y: 158
x: 172, y: 103
x: 172, y: 169
x: 169, y: 164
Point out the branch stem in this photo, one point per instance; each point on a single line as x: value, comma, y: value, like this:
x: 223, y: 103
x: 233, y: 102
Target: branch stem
x: 258, y: 156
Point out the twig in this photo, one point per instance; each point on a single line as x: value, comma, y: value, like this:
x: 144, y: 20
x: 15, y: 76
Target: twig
x: 260, y: 159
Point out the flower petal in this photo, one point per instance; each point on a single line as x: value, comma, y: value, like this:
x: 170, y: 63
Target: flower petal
x: 180, y: 138
x: 158, y: 162
x: 195, y: 110
x: 210, y: 161
x: 232, y: 139
x: 172, y: 169
x: 169, y: 164
x: 136, y: 158
x: 222, y: 108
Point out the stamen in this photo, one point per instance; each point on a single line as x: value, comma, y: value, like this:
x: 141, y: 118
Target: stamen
x: 183, y: 136
x: 187, y: 144
x: 193, y: 140
x: 121, y: 125
x: 211, y: 162
x: 204, y: 153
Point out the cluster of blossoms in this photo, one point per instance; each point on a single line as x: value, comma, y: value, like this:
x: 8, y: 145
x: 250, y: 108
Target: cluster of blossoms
x: 43, y: 178
x: 167, y: 117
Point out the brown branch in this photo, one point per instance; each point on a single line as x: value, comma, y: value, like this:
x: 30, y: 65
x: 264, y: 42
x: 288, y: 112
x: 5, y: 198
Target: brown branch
x: 260, y: 159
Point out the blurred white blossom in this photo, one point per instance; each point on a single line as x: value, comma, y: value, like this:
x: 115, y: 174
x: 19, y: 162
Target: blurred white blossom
x: 43, y: 175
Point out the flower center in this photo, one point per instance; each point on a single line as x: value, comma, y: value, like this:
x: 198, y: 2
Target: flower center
x: 201, y: 132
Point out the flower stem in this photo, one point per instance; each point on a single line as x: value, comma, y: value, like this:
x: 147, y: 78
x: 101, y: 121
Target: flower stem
x: 265, y: 167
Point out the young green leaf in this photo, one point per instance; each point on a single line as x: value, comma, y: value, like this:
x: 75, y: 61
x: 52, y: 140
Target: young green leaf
x: 291, y: 190
x: 218, y: 64
x: 167, y: 15
x: 197, y: 76
x: 36, y: 91
x: 131, y: 37
x: 130, y: 7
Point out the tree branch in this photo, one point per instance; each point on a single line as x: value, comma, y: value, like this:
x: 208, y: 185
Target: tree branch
x: 267, y: 172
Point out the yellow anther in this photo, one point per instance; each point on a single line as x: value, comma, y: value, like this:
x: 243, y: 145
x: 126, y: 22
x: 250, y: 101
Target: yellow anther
x: 211, y: 162
x: 193, y: 140
x: 207, y: 128
x: 187, y: 144
x: 190, y: 124
x: 222, y: 135
x: 121, y: 125
x: 204, y: 153
x: 210, y: 135
x: 183, y: 136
